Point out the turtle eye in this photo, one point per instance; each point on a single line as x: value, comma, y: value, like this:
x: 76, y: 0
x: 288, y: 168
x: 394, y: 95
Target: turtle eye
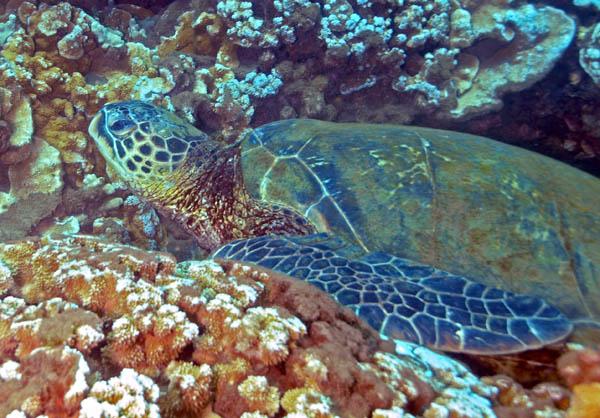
x: 121, y: 126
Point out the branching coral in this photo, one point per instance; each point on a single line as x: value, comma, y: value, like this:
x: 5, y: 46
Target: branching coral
x: 416, y: 47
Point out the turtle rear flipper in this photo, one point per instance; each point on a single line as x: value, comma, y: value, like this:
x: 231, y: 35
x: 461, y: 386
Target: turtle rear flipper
x: 406, y: 300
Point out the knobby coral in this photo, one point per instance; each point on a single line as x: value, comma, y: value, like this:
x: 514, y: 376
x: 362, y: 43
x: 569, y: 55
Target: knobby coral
x: 134, y: 331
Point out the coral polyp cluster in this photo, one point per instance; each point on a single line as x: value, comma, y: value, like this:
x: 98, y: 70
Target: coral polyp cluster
x: 128, y: 332
x: 127, y: 395
x: 152, y: 335
x: 190, y: 389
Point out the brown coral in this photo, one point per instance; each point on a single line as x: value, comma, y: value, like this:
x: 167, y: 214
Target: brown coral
x: 514, y: 400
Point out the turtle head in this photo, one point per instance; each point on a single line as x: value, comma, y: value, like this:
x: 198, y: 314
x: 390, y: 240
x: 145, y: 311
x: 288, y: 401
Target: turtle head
x: 189, y: 177
x: 141, y: 142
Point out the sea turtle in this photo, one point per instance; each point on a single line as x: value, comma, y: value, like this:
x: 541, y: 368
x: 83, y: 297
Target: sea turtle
x: 199, y: 183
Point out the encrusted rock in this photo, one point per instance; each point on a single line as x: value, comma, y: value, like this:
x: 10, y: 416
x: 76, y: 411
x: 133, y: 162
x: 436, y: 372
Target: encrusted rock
x: 35, y: 191
x: 589, y: 53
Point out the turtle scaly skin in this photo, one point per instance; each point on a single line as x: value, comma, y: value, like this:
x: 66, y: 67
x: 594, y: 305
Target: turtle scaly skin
x: 199, y: 183
x: 190, y: 178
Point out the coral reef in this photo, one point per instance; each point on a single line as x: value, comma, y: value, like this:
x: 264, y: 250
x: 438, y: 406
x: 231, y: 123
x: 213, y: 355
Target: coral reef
x: 93, y: 328
x: 231, y: 65
x: 147, y: 334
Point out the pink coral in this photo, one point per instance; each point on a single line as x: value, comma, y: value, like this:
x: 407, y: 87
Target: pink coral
x: 580, y: 366
x: 47, y: 381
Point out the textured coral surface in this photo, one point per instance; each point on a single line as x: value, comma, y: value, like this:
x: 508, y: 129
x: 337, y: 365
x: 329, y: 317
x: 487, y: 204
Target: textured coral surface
x: 90, y: 328
x: 229, y: 65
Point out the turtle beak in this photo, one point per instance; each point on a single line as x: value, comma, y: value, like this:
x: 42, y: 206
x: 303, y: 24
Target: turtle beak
x: 94, y: 124
x: 103, y: 142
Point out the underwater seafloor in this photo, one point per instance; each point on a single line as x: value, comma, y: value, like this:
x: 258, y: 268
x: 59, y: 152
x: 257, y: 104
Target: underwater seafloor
x: 98, y: 319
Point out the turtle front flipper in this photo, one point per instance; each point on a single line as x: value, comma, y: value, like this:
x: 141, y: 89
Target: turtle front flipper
x: 410, y: 301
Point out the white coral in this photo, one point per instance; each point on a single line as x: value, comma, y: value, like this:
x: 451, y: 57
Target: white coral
x: 130, y: 395
x: 10, y: 371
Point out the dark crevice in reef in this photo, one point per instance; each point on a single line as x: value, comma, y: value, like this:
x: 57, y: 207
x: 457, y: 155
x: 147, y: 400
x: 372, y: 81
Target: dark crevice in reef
x: 4, y: 181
